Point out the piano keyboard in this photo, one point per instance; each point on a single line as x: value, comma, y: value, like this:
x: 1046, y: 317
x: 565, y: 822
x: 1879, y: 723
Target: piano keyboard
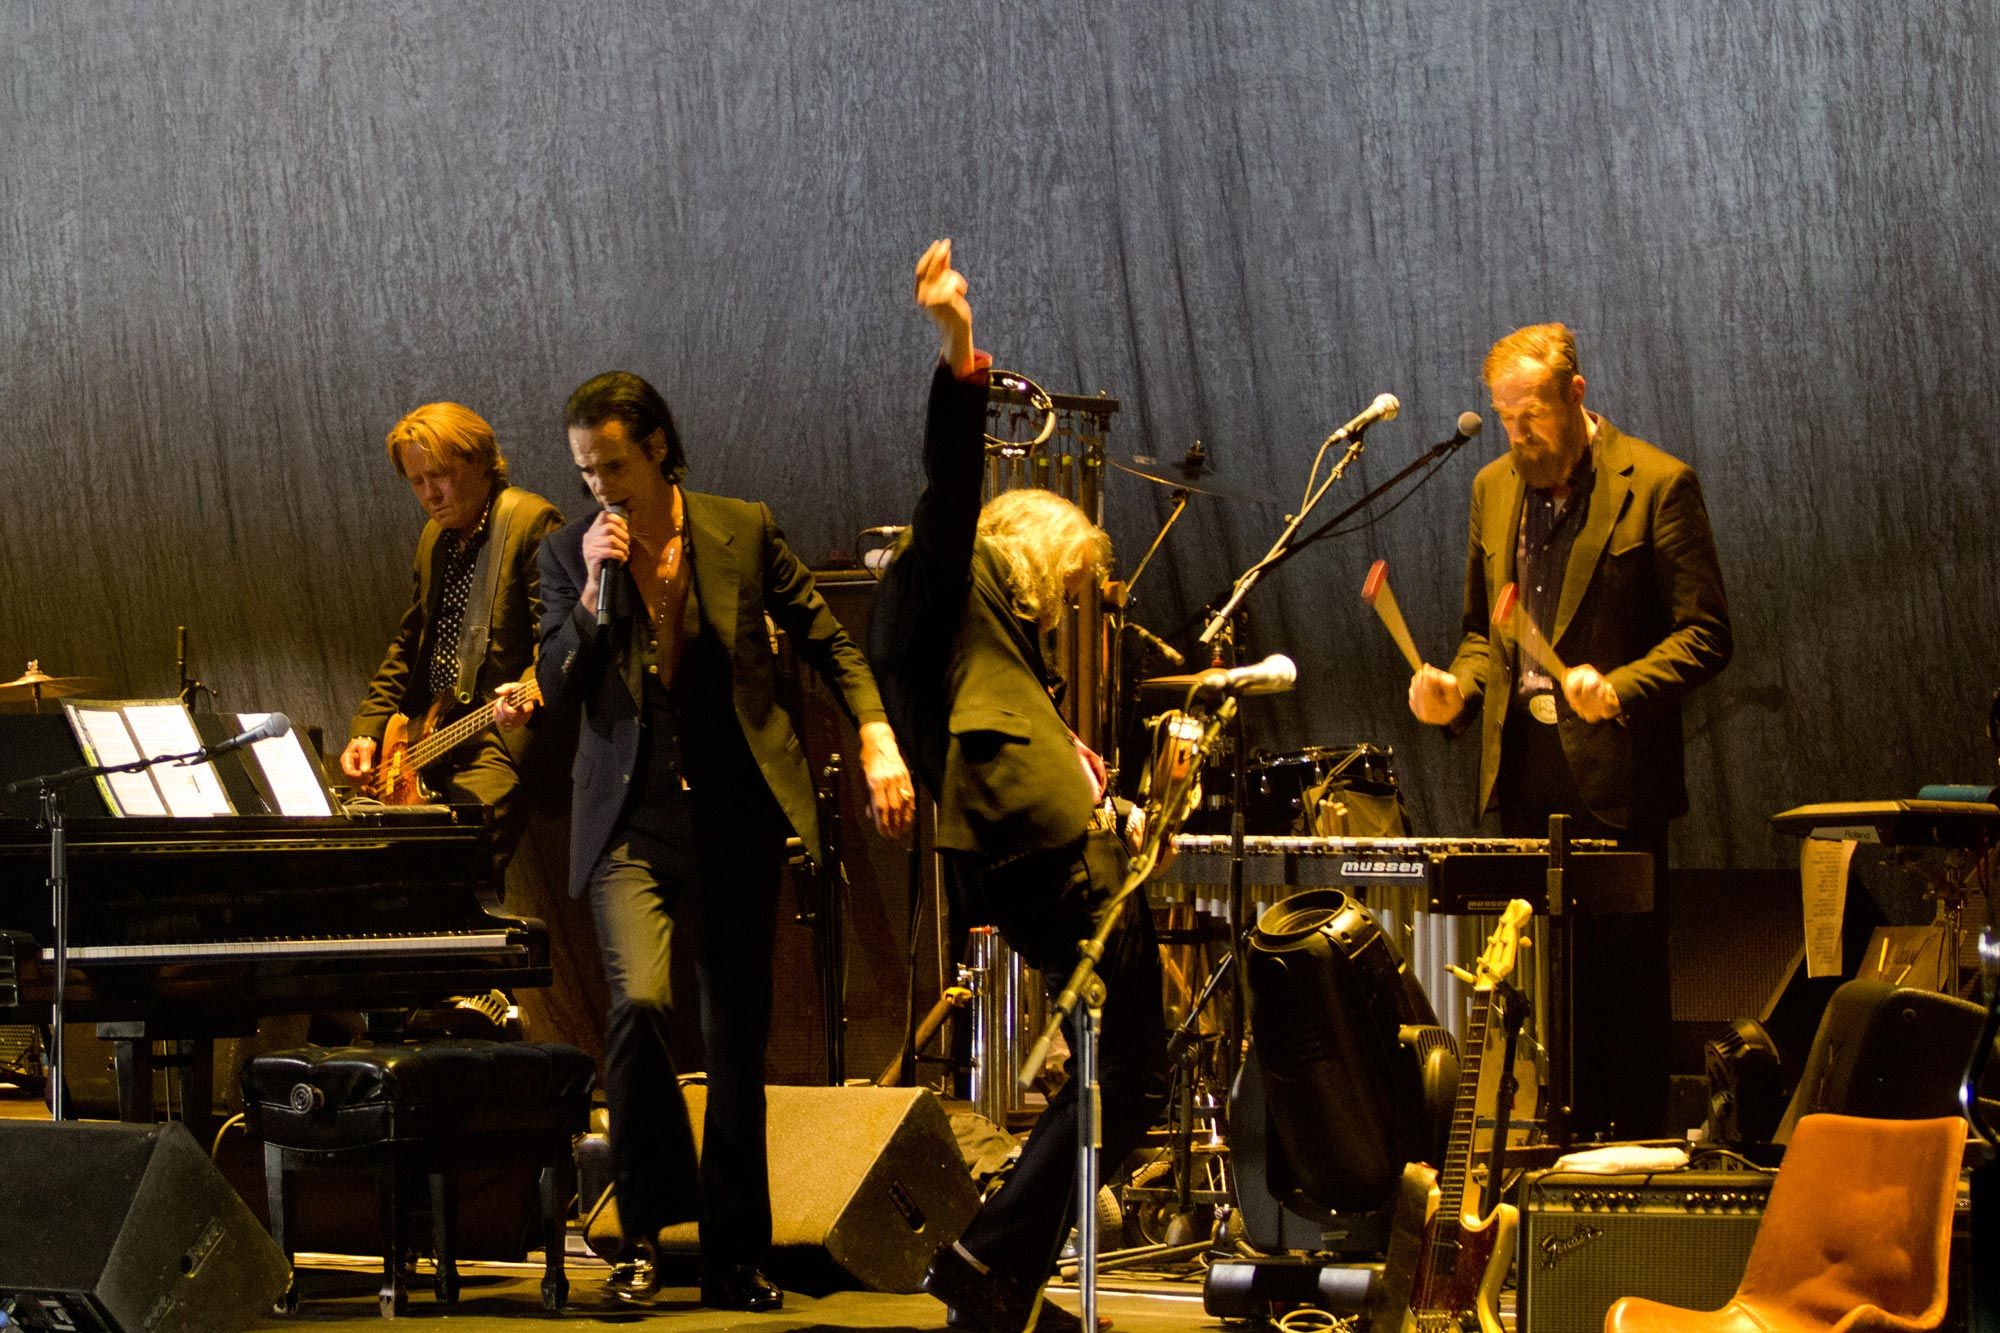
x: 352, y: 947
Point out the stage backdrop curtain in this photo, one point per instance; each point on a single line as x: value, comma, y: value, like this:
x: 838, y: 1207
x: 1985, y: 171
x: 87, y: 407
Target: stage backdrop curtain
x: 239, y: 239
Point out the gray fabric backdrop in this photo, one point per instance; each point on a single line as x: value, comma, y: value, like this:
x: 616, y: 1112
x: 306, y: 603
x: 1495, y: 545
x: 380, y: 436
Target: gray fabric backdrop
x: 238, y: 239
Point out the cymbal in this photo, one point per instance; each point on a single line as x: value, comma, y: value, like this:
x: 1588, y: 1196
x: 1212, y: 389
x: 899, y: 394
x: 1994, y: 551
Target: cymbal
x: 35, y: 683
x: 1164, y: 474
x: 1187, y: 680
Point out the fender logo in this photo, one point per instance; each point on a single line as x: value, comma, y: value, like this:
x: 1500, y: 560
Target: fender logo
x: 1557, y: 1248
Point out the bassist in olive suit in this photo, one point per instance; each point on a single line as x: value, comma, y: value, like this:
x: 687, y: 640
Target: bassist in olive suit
x: 470, y: 629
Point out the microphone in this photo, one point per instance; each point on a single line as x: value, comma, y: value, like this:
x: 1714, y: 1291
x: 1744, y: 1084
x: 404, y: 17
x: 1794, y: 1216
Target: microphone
x: 274, y: 724
x: 1274, y: 675
x: 607, y: 576
x: 1384, y: 408
x: 892, y: 531
x: 1469, y: 425
x: 1173, y: 655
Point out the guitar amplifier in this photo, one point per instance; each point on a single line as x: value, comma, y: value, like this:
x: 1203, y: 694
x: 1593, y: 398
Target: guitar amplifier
x: 1587, y: 1238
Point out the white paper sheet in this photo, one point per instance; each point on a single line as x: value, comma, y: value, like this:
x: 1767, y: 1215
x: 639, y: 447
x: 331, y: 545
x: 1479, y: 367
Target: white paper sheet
x: 1823, y: 864
x: 109, y: 742
x: 294, y: 784
x: 191, y: 792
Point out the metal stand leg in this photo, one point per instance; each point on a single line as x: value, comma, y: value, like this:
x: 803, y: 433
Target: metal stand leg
x: 1089, y: 1139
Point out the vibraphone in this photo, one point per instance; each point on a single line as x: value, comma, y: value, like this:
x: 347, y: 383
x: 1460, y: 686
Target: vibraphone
x: 1436, y: 896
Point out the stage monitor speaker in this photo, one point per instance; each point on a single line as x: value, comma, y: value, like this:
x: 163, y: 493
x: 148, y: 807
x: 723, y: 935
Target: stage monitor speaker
x: 126, y: 1229
x: 1888, y: 1052
x: 1681, y: 1237
x: 866, y: 1184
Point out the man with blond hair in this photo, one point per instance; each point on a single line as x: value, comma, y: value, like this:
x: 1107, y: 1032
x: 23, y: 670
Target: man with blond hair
x: 470, y: 629
x: 957, y: 645
x: 1607, y: 542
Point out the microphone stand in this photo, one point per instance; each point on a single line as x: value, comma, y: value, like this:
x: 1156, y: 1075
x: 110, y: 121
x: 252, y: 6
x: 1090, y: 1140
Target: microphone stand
x: 1164, y: 812
x: 190, y: 688
x: 1279, y: 548
x: 1435, y: 454
x: 1239, y: 776
x: 1117, y: 610
x: 49, y: 788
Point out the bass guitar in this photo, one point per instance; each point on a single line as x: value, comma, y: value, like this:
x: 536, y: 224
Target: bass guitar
x: 1448, y: 1250
x: 410, y: 747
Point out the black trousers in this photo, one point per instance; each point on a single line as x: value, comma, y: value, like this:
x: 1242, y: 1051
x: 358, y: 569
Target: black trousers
x: 668, y: 895
x: 1621, y: 1006
x: 1044, y: 905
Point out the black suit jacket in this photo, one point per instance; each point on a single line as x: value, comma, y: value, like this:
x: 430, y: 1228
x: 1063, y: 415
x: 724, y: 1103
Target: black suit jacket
x: 513, y: 620
x: 743, y: 570
x: 963, y: 676
x: 1642, y: 601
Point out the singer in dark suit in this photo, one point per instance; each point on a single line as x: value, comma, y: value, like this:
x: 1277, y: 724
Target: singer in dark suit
x: 470, y: 629
x: 956, y: 640
x: 689, y: 776
x: 1608, y: 543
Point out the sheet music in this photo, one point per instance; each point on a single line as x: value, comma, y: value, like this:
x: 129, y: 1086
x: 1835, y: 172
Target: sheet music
x: 108, y: 741
x: 294, y: 784
x: 166, y: 728
x: 1823, y: 866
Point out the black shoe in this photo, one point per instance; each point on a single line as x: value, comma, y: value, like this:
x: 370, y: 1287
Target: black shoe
x: 983, y: 1301
x: 633, y: 1281
x: 739, y: 1287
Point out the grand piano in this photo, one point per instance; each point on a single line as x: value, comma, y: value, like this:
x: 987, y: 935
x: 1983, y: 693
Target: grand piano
x: 183, y: 930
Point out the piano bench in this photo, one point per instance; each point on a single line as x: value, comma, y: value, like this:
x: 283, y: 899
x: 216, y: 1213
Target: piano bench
x: 424, y: 1109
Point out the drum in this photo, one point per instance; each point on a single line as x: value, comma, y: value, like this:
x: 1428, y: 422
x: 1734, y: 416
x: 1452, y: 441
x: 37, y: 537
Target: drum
x: 1279, y: 784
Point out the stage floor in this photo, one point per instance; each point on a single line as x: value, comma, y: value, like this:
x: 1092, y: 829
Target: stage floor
x: 502, y: 1296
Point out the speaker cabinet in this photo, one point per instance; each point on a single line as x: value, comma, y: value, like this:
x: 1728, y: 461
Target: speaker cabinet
x: 1889, y: 1052
x: 881, y: 990
x: 1587, y: 1239
x: 126, y: 1229
x: 866, y: 1184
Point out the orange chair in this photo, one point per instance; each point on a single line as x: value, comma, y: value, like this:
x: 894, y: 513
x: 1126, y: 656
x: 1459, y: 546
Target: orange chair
x: 1856, y: 1236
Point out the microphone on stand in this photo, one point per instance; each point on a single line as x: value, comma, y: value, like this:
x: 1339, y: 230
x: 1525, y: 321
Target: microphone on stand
x: 1159, y: 645
x: 273, y: 725
x: 1469, y: 425
x: 1384, y: 408
x: 1274, y: 675
x: 607, y: 577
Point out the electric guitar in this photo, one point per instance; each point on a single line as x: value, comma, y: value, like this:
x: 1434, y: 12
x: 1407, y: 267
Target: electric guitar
x: 1448, y: 1254
x: 410, y: 747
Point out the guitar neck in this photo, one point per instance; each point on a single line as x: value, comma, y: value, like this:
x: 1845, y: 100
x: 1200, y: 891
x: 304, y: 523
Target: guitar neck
x: 1464, y: 1112
x: 447, y: 739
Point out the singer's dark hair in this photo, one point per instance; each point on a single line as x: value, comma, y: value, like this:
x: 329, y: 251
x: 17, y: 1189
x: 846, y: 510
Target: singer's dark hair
x: 619, y: 395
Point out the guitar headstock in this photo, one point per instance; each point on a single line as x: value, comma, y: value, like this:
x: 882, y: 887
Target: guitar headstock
x: 1496, y: 961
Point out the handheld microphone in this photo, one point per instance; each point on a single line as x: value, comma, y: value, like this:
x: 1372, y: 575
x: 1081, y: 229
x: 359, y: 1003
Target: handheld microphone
x: 273, y: 725
x: 1384, y: 408
x: 1469, y: 425
x: 608, y: 581
x: 1274, y: 675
